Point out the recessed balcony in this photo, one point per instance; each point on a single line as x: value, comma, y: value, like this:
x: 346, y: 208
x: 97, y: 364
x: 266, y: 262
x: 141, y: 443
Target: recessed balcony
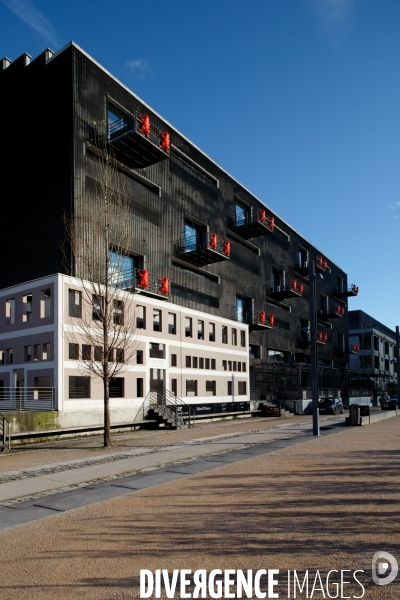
x: 321, y: 264
x: 337, y: 313
x: 137, y: 142
x: 257, y: 320
x: 354, y: 349
x: 305, y: 339
x: 202, y: 252
x: 251, y: 222
x: 352, y: 290
x: 292, y: 289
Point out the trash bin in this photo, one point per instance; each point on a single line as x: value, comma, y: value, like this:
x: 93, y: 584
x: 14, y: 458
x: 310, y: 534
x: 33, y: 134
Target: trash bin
x: 354, y: 414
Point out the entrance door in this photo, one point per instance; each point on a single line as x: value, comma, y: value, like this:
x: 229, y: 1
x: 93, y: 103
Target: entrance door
x: 157, y: 382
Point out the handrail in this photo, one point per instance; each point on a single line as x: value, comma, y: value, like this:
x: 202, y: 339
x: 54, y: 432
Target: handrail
x: 4, y: 433
x: 169, y: 405
x: 27, y: 399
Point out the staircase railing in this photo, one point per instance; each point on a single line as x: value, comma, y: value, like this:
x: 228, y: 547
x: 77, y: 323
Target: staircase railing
x: 169, y: 405
x: 5, y: 438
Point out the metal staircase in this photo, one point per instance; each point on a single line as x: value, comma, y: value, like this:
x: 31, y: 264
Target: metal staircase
x: 165, y: 409
x: 5, y: 439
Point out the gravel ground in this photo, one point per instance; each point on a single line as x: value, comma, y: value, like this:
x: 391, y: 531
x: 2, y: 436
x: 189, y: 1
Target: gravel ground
x: 327, y: 504
x: 35, y: 455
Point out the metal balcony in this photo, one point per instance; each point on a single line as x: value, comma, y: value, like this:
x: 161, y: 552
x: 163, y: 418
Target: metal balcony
x: 201, y: 253
x: 137, y: 142
x: 352, y: 290
x: 338, y: 313
x: 302, y: 267
x: 251, y: 223
x: 353, y: 350
x: 141, y: 281
x: 305, y: 340
x: 292, y: 289
x: 257, y: 320
x: 321, y: 264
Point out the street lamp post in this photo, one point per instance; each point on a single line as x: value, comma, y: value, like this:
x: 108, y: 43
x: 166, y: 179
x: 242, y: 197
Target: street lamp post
x: 313, y: 342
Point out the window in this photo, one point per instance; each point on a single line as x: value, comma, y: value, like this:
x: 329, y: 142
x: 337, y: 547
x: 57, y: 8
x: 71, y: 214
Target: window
x: 174, y: 386
x: 387, y: 349
x: 244, y: 367
x: 26, y: 307
x: 241, y: 388
x: 376, y: 362
x: 277, y: 280
x: 10, y: 311
x: 211, y: 332
x: 242, y: 213
x: 224, y: 334
x: 172, y: 323
x: 97, y: 307
x: 194, y: 362
x: 243, y: 338
x: 120, y: 355
x: 86, y: 352
x: 139, y: 357
x: 201, y: 362
x: 376, y: 343
x: 234, y: 365
x: 302, y: 257
x: 278, y: 355
x: 339, y: 283
x: 9, y: 356
x: 36, y: 352
x: 141, y: 317
x: 210, y: 388
x: 254, y: 351
x: 47, y: 351
x: 191, y: 387
x: 79, y: 387
x: 118, y: 312
x: 200, y: 330
x: 156, y: 351
x: 45, y: 303
x: 111, y: 355
x: 2, y: 357
x: 28, y: 353
x: 207, y: 363
x: 139, y: 387
x: 229, y: 387
x: 188, y: 362
x: 73, y: 351
x: 224, y: 365
x: 387, y: 364
x: 324, y: 304
x: 213, y: 364
x: 234, y: 336
x: 239, y: 366
x: 188, y: 327
x: 116, y: 387
x: 157, y: 320
x: 74, y: 303
x: 229, y: 365
x: 120, y: 270
x: 98, y: 353
x: 194, y: 235
x: 173, y: 360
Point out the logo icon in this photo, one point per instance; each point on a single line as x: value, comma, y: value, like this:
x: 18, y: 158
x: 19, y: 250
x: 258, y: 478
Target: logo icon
x: 381, y: 561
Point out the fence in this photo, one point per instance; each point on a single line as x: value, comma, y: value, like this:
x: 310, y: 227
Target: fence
x: 27, y: 399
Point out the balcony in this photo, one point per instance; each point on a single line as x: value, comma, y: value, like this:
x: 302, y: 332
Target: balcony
x: 333, y: 314
x: 292, y: 289
x: 257, y: 320
x: 353, y: 349
x: 321, y: 264
x: 302, y: 268
x: 141, y: 281
x: 251, y: 223
x: 137, y: 142
x: 352, y: 290
x: 202, y: 252
x: 305, y: 340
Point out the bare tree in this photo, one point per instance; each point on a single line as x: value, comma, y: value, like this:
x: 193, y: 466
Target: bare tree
x: 98, y: 238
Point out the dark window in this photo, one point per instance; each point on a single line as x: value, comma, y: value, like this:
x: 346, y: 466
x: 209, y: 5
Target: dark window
x: 28, y: 353
x: 339, y: 283
x: 241, y: 388
x: 75, y: 303
x: 224, y: 335
x: 156, y: 351
x: 173, y: 360
x: 234, y: 336
x: 207, y: 363
x: 224, y: 365
x: 188, y: 327
x: 73, y: 351
x: 172, y: 323
x: 157, y: 325
x: 139, y: 357
x: 194, y: 362
x: 139, y: 387
x: 98, y: 353
x: 239, y: 366
x: 97, y: 307
x: 174, y: 386
x: 213, y: 363
x: 210, y: 388
x: 200, y: 330
x: 254, y: 351
x: 86, y: 352
x: 191, y: 387
x: 243, y: 338
x: 230, y: 387
x: 211, y: 332
x: 386, y: 348
x: 188, y: 361
x: 2, y: 357
x: 243, y: 309
x: 120, y: 355
x: 277, y: 280
x: 116, y: 387
x: 194, y: 296
x: 302, y: 257
x: 234, y: 365
x: 118, y: 312
x: 79, y: 387
x: 111, y: 355
x: 244, y: 367
x: 141, y: 317
x: 242, y: 213
x: 229, y: 365
x: 201, y: 362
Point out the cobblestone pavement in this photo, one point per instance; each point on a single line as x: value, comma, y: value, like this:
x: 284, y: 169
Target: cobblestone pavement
x: 330, y: 503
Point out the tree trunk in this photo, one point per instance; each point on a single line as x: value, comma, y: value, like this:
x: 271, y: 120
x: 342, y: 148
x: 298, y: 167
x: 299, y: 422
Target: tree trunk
x: 107, y: 431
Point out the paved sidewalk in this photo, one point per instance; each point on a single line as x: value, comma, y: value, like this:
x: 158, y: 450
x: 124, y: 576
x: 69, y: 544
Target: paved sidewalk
x: 330, y: 503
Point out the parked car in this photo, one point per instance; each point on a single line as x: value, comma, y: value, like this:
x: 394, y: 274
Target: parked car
x: 389, y: 403
x: 330, y: 405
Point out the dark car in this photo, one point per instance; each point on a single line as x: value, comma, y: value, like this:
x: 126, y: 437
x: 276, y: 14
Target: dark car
x: 389, y: 403
x: 330, y: 406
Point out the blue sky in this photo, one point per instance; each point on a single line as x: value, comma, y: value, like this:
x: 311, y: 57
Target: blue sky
x: 298, y: 99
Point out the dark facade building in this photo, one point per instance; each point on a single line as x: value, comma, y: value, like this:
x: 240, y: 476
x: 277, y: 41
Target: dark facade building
x: 224, y: 251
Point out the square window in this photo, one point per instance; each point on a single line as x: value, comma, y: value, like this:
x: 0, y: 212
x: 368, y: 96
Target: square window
x: 156, y: 350
x: 116, y: 387
x: 241, y: 388
x: 191, y: 387
x: 73, y: 351
x: 210, y: 388
x: 79, y: 387
x: 75, y: 303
